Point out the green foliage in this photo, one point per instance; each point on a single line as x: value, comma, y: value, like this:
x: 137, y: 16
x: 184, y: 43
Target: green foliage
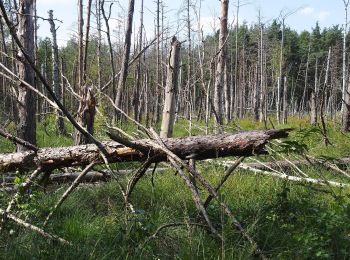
x: 286, y: 220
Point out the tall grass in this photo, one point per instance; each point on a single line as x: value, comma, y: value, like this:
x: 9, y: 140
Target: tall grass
x: 288, y: 221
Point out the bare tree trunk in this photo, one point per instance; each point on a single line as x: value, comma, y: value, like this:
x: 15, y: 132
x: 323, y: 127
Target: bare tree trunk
x: 344, y: 79
x: 80, y: 45
x: 278, y: 100
x: 263, y: 94
x: 99, y: 44
x: 191, y: 105
x: 56, y: 77
x: 126, y: 54
x: 219, y: 77
x: 345, y: 108
x: 26, y: 106
x: 285, y: 100
x: 108, y: 33
x: 255, y: 104
x: 87, y: 104
x: 171, y: 90
x: 63, y: 81
x: 87, y: 35
x: 313, y: 98
x: 227, y: 92
x: 306, y: 79
x: 235, y: 104
x: 136, y: 95
x: 158, y: 84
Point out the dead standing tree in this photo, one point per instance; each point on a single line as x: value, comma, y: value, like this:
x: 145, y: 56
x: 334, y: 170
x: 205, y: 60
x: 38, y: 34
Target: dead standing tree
x: 219, y: 76
x: 281, y: 76
x: 171, y: 90
x: 26, y: 125
x: 136, y: 93
x: 345, y: 104
x: 126, y: 55
x: 87, y: 104
x: 56, y: 78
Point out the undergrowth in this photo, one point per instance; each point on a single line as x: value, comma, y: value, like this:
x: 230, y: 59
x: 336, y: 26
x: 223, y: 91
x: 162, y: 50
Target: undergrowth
x: 287, y: 221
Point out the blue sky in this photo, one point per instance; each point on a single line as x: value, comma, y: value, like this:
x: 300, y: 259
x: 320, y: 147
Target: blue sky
x: 327, y: 12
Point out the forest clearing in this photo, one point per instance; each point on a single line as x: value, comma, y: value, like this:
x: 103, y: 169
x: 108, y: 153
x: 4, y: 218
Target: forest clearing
x: 164, y: 139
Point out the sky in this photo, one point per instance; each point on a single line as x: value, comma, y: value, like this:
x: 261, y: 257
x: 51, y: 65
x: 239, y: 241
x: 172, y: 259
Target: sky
x: 305, y: 14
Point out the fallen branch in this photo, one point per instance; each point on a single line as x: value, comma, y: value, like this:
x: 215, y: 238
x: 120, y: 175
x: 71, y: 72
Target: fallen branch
x: 22, y: 189
x: 174, y: 159
x: 227, y: 174
x: 68, y: 191
x: 295, y: 178
x: 287, y: 165
x: 17, y: 140
x: 35, y: 228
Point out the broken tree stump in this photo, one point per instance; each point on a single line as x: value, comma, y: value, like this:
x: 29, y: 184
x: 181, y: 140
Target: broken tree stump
x: 244, y: 143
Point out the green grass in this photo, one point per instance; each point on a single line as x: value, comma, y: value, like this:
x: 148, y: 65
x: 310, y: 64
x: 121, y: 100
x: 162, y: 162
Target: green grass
x: 287, y: 221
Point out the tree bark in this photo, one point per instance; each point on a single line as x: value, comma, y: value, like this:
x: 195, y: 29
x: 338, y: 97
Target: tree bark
x: 26, y: 105
x: 171, y: 90
x: 87, y: 104
x: 285, y: 100
x: 313, y: 98
x: 136, y: 94
x: 245, y: 143
x: 219, y: 77
x: 345, y: 96
x: 126, y: 54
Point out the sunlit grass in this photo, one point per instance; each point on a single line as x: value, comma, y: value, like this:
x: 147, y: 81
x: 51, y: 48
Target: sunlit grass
x: 288, y: 221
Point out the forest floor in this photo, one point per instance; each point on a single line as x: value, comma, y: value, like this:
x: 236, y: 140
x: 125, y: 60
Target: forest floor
x: 287, y: 220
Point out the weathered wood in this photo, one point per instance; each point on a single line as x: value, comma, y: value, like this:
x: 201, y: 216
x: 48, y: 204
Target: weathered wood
x: 171, y: 90
x: 285, y: 165
x: 26, y: 108
x: 245, y: 143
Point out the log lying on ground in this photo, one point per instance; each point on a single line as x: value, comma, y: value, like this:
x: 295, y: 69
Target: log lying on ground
x: 245, y: 143
x: 285, y: 165
x: 93, y: 176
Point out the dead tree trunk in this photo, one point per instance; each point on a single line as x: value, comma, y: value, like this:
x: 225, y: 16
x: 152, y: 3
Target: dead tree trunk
x: 245, y: 143
x: 80, y: 44
x: 219, y: 77
x: 285, y: 98
x: 87, y: 104
x: 171, y: 90
x: 313, y: 98
x: 99, y: 44
x: 126, y: 54
x: 26, y: 126
x: 56, y: 76
x: 108, y: 34
x: 136, y: 94
x: 345, y: 104
x: 87, y: 35
x: 345, y: 95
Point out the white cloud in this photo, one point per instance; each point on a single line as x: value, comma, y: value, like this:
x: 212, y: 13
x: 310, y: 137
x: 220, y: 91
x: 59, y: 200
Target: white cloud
x: 321, y: 16
x: 311, y: 12
x: 307, y: 11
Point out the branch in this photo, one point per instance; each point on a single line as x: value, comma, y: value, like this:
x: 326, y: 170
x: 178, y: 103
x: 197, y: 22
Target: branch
x: 36, y: 229
x: 17, y: 140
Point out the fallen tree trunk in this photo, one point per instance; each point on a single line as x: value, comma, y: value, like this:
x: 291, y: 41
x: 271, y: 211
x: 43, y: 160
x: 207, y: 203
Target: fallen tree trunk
x: 245, y: 143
